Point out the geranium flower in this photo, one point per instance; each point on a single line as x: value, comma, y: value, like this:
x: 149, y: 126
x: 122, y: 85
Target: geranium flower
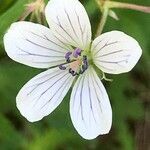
x: 70, y: 55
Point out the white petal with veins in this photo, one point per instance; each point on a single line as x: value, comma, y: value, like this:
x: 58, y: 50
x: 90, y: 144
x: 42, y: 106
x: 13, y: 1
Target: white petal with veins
x: 69, y: 22
x: 90, y: 108
x: 34, y: 45
x: 42, y: 94
x: 115, y: 52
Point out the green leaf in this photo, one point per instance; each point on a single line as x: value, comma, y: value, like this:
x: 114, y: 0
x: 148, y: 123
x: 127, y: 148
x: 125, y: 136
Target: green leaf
x: 5, y: 5
x: 10, y: 138
x: 10, y: 16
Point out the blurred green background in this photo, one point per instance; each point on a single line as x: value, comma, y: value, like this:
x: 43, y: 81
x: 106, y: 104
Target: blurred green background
x: 129, y: 93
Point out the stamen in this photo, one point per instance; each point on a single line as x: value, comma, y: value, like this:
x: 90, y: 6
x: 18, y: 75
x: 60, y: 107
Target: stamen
x: 85, y: 63
x: 77, y: 64
x: 61, y: 67
x: 84, y: 59
x: 68, y: 60
x: 68, y: 55
x: 77, y: 52
x: 72, y: 72
x: 84, y: 67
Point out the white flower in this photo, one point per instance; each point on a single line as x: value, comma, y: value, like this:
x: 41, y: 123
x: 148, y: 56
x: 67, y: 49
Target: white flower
x: 68, y: 49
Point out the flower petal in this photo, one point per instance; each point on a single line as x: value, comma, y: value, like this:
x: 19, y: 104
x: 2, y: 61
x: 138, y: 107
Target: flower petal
x: 90, y: 108
x: 69, y: 22
x: 115, y: 52
x: 34, y: 45
x: 42, y: 94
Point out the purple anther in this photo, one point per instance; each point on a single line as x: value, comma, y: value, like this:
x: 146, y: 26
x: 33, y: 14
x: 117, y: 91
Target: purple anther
x: 72, y: 72
x: 84, y: 67
x: 77, y: 52
x: 61, y: 67
x: 68, y: 60
x: 67, y: 56
x: 85, y: 63
x: 84, y: 59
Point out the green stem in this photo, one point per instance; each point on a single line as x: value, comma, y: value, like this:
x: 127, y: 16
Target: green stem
x: 113, y: 4
x: 102, y: 21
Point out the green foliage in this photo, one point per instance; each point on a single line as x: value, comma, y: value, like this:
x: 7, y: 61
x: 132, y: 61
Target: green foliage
x: 56, y: 132
x: 9, y: 137
x: 10, y: 15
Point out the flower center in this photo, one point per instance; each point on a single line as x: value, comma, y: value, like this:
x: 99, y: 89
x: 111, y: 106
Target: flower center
x: 78, y: 63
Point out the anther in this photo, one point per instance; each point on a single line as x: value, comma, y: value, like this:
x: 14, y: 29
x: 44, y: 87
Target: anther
x: 61, y: 67
x: 85, y: 63
x: 72, y: 72
x: 84, y: 67
x: 68, y: 55
x: 68, y: 60
x: 77, y: 52
x: 84, y: 58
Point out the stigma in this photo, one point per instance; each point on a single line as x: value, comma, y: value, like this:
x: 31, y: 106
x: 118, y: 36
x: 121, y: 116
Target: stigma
x: 77, y: 63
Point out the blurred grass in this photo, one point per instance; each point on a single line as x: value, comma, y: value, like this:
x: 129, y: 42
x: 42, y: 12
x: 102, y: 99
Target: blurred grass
x: 129, y: 93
